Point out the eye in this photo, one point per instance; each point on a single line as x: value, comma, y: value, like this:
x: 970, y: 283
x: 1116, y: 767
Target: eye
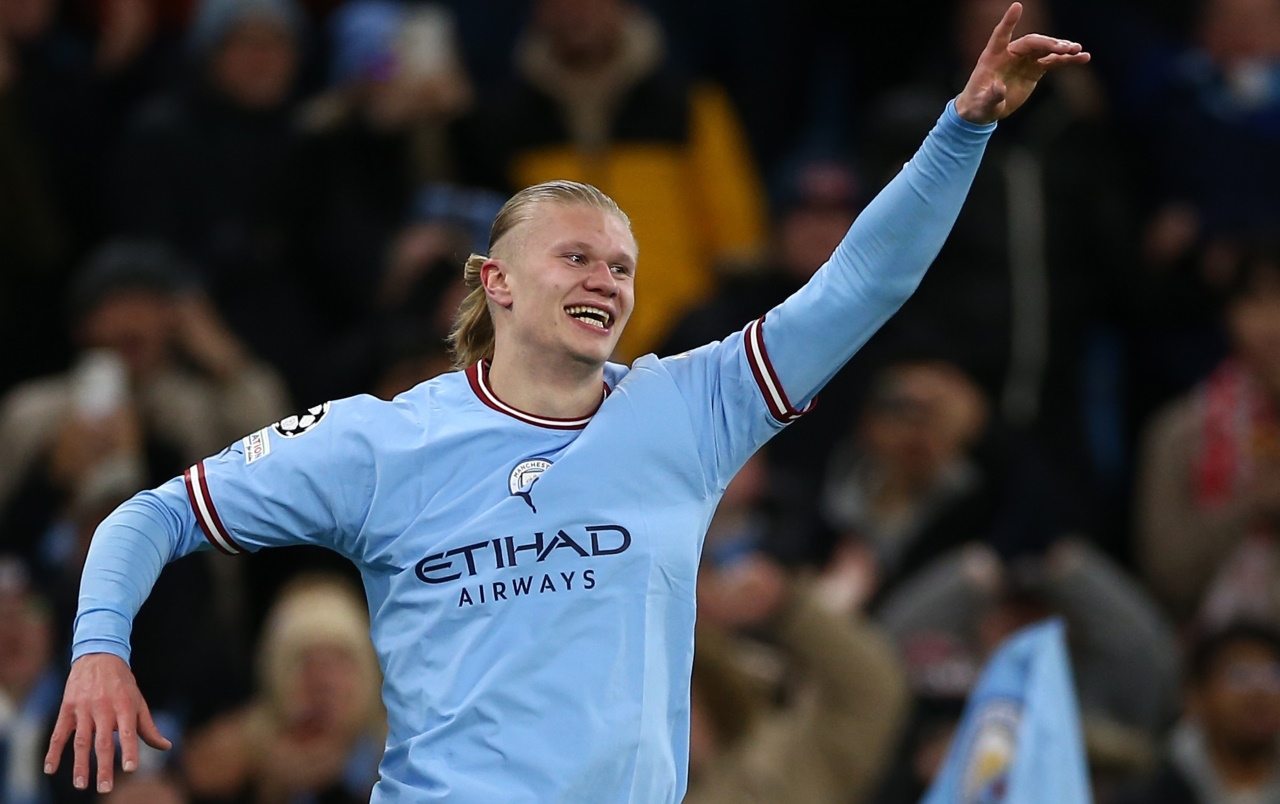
x: 620, y: 269
x: 577, y: 259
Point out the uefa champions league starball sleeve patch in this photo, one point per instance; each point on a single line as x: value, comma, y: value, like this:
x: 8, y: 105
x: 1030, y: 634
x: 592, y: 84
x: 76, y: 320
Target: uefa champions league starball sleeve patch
x: 302, y: 423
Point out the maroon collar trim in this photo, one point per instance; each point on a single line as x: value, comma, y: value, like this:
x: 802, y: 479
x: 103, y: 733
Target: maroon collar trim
x: 478, y: 378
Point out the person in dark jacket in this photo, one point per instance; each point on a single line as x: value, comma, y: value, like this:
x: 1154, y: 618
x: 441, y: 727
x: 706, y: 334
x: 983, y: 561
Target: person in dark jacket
x: 228, y: 131
x: 377, y: 140
x: 1225, y: 751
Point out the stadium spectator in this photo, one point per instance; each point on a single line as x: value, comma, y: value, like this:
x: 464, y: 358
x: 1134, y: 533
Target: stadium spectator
x: 157, y: 365
x: 227, y: 129
x: 29, y: 680
x: 1215, y: 126
x: 1034, y: 271
x: 1224, y: 750
x: 315, y: 730
x: 159, y: 383
x: 1208, y: 110
x: 923, y: 471
x: 1208, y: 500
x: 381, y: 137
x: 65, y: 92
x: 948, y: 618
x: 1123, y: 649
x: 46, y: 139
x: 831, y: 739
x: 596, y: 100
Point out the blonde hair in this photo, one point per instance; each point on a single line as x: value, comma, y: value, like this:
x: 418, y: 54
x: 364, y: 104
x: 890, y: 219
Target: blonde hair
x: 316, y: 610
x: 472, y: 337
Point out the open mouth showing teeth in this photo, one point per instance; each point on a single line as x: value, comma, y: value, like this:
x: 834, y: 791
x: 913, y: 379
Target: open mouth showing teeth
x: 590, y: 315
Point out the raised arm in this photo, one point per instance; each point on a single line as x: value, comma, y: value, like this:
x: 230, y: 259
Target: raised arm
x: 887, y: 250
x: 800, y: 344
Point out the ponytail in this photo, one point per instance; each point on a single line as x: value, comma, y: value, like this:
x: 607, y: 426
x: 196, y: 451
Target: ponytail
x: 471, y: 339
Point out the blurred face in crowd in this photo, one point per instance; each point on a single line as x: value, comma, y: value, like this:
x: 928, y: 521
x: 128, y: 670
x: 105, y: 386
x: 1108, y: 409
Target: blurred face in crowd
x: 818, y: 218
x: 25, y: 641
x: 139, y: 325
x: 921, y: 419
x: 1234, y: 31
x: 328, y: 691
x: 255, y: 64
x: 1254, y: 322
x: 24, y: 20
x: 584, y: 33
x: 567, y: 283
x: 1238, y: 703
x: 809, y: 235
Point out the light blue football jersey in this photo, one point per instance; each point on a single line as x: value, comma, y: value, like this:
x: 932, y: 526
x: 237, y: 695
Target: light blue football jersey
x: 531, y: 581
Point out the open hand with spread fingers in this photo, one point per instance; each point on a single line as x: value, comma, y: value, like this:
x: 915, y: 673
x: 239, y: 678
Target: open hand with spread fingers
x: 1009, y: 69
x: 101, y: 701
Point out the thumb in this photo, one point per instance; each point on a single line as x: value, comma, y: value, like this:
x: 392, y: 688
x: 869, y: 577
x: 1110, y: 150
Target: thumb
x: 148, y: 731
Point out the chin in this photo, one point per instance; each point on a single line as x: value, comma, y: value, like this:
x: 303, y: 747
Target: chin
x: 595, y: 354
x: 589, y: 359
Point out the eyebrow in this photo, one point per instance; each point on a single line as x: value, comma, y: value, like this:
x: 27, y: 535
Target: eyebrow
x: 578, y: 245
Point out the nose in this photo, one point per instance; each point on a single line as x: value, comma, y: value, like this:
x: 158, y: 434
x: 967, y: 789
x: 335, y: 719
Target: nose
x: 601, y: 280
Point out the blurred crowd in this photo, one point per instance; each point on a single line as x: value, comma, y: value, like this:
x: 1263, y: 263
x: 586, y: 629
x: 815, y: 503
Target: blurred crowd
x: 216, y: 212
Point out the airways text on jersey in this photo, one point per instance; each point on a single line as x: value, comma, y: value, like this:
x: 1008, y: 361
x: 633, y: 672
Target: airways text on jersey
x: 515, y: 566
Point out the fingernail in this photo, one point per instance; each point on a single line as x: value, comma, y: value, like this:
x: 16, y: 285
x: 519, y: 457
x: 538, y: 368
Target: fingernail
x: 130, y: 765
x: 79, y: 783
x: 104, y: 787
x: 48, y: 767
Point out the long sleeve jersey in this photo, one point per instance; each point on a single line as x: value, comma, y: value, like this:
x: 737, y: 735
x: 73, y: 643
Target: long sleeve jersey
x: 531, y: 580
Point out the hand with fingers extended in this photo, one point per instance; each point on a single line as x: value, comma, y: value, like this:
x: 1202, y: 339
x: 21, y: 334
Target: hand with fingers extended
x: 101, y: 699
x: 1009, y: 69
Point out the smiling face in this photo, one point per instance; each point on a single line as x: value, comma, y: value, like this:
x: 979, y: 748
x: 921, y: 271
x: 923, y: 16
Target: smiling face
x: 562, y: 284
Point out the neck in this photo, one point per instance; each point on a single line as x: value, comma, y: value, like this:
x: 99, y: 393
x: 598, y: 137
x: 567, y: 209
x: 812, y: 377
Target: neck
x: 1242, y: 771
x: 566, y: 391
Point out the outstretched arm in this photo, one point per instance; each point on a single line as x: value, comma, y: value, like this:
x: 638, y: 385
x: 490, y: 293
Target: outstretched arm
x: 800, y: 344
x: 887, y: 250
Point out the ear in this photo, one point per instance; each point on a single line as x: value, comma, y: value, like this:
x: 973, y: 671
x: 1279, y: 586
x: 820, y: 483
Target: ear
x: 493, y: 277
